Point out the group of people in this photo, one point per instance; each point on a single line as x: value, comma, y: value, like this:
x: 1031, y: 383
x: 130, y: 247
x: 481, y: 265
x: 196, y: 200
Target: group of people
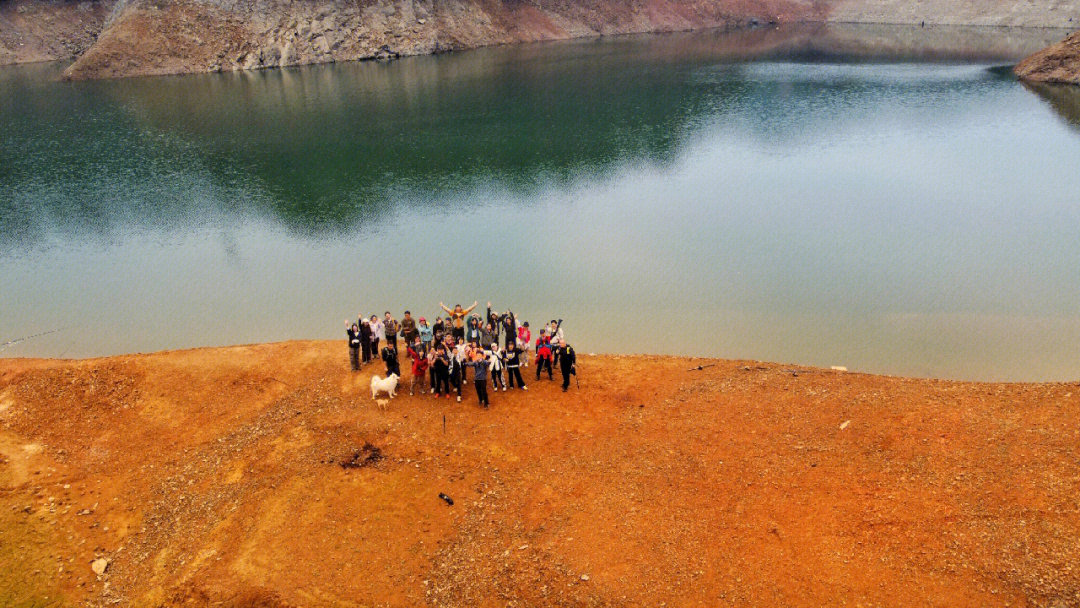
x: 443, y: 352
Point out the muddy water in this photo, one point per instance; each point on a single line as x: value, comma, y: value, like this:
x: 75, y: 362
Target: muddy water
x: 871, y: 197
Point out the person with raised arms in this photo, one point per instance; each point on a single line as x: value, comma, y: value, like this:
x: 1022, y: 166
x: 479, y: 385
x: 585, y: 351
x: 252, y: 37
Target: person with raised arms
x: 457, y: 318
x: 352, y: 332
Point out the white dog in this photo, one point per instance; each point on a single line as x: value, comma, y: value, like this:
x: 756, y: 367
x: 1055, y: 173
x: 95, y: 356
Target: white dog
x: 386, y: 385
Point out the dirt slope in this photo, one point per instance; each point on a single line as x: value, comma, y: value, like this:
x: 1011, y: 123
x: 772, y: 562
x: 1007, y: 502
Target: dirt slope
x: 149, y: 37
x: 216, y: 475
x: 49, y: 30
x: 1060, y: 63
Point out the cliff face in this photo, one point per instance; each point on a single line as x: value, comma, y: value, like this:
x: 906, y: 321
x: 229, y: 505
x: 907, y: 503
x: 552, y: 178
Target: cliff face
x: 113, y: 38
x: 1059, y: 63
x: 148, y: 37
x: 36, y: 30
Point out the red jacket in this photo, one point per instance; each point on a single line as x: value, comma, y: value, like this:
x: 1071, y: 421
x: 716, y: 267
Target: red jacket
x: 419, y: 362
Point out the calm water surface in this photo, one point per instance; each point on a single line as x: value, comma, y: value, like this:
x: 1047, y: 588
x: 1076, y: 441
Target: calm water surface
x: 808, y: 198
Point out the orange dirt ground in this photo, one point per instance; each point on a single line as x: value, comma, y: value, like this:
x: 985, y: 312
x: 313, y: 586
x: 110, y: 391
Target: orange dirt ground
x: 214, y: 477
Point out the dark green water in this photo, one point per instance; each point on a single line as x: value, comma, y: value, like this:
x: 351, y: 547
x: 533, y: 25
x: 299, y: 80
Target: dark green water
x: 802, y: 198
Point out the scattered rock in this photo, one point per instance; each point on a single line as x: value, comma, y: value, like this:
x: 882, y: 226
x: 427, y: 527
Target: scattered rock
x: 844, y: 424
x: 99, y: 566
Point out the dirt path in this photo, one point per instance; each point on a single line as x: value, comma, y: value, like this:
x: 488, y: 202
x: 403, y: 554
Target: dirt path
x: 215, y: 475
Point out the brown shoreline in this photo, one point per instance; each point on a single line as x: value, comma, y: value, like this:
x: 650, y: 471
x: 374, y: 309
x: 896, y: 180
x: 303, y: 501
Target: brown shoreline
x: 118, y: 38
x: 214, y: 475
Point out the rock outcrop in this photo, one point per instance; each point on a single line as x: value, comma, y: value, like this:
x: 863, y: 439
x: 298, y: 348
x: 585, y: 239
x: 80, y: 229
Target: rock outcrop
x: 1059, y: 63
x: 148, y: 37
x: 114, y: 38
x: 36, y: 30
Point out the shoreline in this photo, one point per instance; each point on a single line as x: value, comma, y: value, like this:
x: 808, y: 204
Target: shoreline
x: 213, y: 474
x: 109, y: 39
x: 37, y: 362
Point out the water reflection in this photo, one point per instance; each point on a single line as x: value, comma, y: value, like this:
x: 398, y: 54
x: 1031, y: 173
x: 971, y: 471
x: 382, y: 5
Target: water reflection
x: 818, y: 195
x: 324, y: 149
x: 1064, y: 99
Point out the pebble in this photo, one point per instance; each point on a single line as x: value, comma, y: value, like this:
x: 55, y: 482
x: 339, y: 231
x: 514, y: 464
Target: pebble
x: 99, y: 565
x: 584, y: 577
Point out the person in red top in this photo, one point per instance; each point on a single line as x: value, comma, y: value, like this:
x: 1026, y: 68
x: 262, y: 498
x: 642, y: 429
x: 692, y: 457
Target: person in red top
x: 544, y: 355
x: 524, y: 336
x: 418, y: 354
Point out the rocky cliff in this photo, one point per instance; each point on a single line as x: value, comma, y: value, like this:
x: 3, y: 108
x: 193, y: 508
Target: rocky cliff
x: 148, y: 37
x: 1059, y: 63
x: 48, y: 30
x: 112, y: 38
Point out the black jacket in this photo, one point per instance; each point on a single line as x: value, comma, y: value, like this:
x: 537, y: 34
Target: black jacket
x: 566, y: 357
x: 354, y: 338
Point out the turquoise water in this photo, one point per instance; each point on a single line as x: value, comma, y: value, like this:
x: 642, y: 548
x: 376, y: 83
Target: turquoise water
x: 905, y: 212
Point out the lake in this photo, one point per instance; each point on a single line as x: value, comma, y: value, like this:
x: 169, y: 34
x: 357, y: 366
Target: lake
x: 887, y: 199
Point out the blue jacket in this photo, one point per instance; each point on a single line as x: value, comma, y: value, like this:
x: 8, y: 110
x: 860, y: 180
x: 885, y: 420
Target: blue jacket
x: 426, y: 333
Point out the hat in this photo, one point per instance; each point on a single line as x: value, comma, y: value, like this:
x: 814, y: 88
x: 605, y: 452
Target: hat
x: 525, y: 324
x: 423, y: 320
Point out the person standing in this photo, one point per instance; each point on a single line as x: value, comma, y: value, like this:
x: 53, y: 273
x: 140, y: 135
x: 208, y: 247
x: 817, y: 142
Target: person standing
x: 441, y: 365
x: 567, y: 362
x: 419, y: 366
x: 457, y: 370
x: 408, y: 328
x: 389, y: 356
x: 390, y: 328
x: 479, y: 364
x: 513, y: 366
x: 496, y: 364
x: 377, y: 333
x: 509, y: 328
x: 555, y: 332
x: 353, y: 334
x: 524, y: 336
x: 457, y: 319
x: 543, y: 355
x: 438, y: 330
x: 474, y: 334
x: 365, y: 339
x: 426, y: 333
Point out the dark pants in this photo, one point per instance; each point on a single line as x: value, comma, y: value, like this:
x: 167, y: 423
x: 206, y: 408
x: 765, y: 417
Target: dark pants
x: 455, y: 382
x: 515, y: 372
x: 565, y: 376
x: 459, y: 334
x: 374, y: 347
x: 366, y: 346
x: 541, y: 363
x: 497, y: 379
x: 393, y: 367
x: 481, y: 392
x: 431, y: 376
x: 442, y: 380
x: 354, y: 357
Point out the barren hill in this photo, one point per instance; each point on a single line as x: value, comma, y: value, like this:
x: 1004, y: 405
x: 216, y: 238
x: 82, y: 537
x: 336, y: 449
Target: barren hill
x: 266, y: 476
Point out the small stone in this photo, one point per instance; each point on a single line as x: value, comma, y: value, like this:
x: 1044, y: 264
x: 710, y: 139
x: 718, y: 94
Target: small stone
x: 844, y: 424
x: 584, y: 577
x: 99, y: 565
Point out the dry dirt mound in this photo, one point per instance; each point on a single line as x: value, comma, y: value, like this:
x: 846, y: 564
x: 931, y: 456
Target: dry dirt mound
x: 265, y: 476
x: 1059, y: 63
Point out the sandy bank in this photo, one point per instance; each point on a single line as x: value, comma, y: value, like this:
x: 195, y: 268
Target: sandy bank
x: 215, y: 475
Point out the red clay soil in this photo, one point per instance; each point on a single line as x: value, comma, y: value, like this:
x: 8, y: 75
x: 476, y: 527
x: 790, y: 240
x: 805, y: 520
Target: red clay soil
x: 216, y: 477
